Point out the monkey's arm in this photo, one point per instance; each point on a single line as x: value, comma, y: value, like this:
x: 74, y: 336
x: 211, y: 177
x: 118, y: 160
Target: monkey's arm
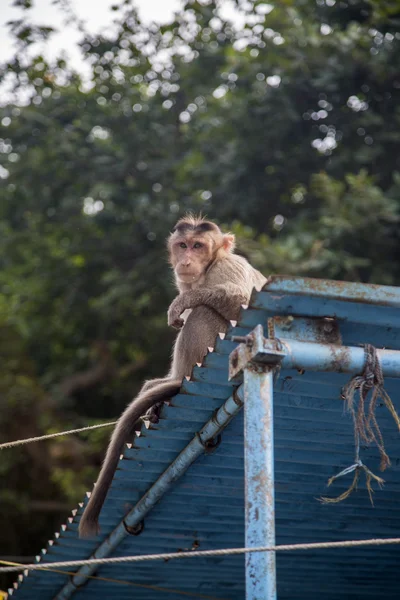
x: 226, y: 299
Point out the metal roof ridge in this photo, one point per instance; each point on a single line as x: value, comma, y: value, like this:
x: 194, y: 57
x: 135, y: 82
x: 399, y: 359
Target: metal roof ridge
x: 366, y: 293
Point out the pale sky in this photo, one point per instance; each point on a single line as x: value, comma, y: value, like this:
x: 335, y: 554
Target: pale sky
x: 96, y: 14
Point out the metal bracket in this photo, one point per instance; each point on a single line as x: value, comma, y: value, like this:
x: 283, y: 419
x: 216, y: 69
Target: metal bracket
x: 323, y: 330
x: 255, y: 350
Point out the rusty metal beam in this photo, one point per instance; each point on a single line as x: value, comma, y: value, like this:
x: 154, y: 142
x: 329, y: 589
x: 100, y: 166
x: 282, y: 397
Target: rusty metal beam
x: 310, y: 356
x: 365, y: 293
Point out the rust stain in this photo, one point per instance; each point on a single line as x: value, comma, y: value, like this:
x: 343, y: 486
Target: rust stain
x: 283, y: 322
x: 340, y: 358
x: 326, y: 331
x: 271, y: 328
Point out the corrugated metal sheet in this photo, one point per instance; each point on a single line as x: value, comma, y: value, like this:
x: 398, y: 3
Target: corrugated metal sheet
x: 313, y: 441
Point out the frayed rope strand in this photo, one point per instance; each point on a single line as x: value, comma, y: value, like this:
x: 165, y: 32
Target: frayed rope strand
x: 357, y: 468
x: 366, y: 427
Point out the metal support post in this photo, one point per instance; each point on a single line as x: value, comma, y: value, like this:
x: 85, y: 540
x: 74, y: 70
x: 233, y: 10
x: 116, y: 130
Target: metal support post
x: 259, y: 461
x: 259, y: 481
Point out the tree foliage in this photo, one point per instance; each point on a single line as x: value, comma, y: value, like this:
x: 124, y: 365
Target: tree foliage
x: 283, y: 128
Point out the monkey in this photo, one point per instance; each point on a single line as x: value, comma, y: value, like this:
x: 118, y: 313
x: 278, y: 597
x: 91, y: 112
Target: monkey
x: 213, y: 283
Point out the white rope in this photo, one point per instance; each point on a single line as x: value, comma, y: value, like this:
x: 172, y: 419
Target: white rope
x: 205, y: 553
x: 53, y: 435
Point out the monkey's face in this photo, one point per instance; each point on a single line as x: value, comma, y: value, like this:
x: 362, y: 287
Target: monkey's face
x: 190, y: 256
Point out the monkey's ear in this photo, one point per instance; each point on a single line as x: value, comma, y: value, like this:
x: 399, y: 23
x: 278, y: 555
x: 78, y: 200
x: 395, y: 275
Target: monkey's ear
x: 228, y: 242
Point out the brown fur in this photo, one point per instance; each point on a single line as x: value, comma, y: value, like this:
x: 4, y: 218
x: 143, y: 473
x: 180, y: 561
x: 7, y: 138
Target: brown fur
x: 213, y: 284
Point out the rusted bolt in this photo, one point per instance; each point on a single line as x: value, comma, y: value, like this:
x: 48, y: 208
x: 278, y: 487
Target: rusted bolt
x: 287, y: 323
x: 135, y: 529
x: 211, y: 445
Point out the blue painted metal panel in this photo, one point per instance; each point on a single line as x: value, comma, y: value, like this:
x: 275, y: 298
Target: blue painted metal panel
x: 379, y: 295
x: 205, y: 508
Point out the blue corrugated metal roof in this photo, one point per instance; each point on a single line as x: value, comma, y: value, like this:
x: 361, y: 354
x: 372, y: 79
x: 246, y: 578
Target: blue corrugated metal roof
x: 313, y: 441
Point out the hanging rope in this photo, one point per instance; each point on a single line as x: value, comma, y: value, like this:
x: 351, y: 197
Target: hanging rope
x: 203, y: 554
x: 366, y: 427
x: 53, y: 435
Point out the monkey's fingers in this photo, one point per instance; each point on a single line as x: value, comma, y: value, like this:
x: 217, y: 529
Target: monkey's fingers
x: 153, y: 414
x: 178, y: 323
x: 174, y: 319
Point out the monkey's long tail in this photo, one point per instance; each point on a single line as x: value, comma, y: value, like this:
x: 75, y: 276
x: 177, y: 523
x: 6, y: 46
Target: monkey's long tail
x: 124, y: 429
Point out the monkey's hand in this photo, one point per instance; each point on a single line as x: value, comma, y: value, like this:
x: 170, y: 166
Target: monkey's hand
x: 174, y: 312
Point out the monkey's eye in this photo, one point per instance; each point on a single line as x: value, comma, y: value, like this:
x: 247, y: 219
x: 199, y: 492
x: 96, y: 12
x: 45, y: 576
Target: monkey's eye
x: 197, y: 245
x: 182, y: 245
